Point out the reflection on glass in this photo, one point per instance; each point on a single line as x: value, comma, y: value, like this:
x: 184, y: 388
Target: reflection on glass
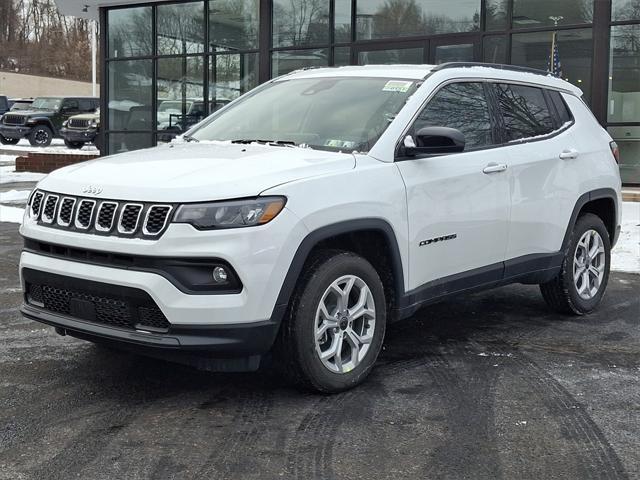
x: 625, y: 10
x: 525, y: 112
x: 233, y: 24
x: 624, y: 76
x: 628, y: 140
x: 300, y: 22
x: 129, y: 32
x: 341, y: 56
x: 453, y: 53
x: 230, y: 76
x: 401, y: 18
x: 125, y: 142
x: 285, y: 62
x: 496, y: 14
x: 530, y: 14
x: 180, y: 28
x: 180, y: 93
x: 391, y: 56
x: 494, y: 49
x: 462, y: 106
x: 130, y: 94
x: 574, y: 47
x: 342, y: 22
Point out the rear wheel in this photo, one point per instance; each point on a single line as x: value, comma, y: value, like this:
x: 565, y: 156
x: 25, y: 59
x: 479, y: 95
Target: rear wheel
x: 335, y: 327
x: 74, y: 145
x: 40, y: 136
x: 583, y: 278
x: 8, y: 141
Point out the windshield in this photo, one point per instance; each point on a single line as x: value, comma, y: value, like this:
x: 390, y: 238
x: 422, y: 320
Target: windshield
x: 342, y: 114
x: 46, y: 103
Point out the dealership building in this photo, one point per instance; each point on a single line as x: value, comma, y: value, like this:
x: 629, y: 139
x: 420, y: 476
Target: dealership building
x: 165, y: 65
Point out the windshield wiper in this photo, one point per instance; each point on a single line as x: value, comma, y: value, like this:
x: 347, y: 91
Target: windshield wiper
x: 189, y: 138
x: 270, y: 142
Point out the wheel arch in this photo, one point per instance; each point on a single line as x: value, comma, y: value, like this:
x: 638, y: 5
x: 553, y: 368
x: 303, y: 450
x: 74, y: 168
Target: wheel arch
x: 602, y: 203
x: 46, y: 121
x: 341, y: 235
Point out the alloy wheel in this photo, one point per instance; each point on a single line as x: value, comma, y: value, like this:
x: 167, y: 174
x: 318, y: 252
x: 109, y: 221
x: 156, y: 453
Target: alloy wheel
x: 589, y: 264
x: 345, y: 323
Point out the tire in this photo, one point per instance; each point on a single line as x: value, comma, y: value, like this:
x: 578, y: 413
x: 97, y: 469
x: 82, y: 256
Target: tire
x: 74, y: 145
x: 40, y: 136
x: 8, y: 141
x: 297, y: 351
x: 581, y: 296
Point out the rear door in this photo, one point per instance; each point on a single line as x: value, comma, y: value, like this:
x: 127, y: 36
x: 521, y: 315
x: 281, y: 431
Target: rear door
x: 458, y: 204
x: 541, y: 154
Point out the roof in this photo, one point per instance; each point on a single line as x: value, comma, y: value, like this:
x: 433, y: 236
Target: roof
x: 414, y: 72
x: 451, y: 70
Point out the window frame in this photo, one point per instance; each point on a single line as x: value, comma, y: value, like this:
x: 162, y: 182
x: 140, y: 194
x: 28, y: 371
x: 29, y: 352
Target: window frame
x: 495, y: 114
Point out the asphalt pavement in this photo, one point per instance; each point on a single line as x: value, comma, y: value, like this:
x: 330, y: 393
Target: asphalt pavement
x: 490, y: 385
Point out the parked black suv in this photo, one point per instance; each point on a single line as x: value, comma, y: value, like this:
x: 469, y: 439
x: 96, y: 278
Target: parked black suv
x: 43, y: 121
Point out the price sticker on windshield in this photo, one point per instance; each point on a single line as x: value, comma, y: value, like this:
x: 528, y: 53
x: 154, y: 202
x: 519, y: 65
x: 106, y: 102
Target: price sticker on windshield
x: 397, y: 86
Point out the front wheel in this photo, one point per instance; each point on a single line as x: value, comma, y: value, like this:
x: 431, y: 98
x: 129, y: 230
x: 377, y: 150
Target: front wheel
x: 8, y: 141
x: 579, y: 287
x: 335, y: 327
x: 74, y: 145
x: 40, y: 136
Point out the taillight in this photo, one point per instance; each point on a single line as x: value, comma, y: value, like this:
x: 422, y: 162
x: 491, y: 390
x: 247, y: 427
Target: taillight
x: 615, y: 151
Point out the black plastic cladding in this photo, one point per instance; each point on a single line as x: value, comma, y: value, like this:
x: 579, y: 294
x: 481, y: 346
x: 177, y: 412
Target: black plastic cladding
x: 106, y: 213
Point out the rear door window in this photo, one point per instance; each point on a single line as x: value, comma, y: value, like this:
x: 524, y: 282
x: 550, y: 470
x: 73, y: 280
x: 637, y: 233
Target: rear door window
x: 524, y: 110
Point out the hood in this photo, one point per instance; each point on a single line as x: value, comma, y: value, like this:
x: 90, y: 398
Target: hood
x: 193, y: 172
x: 33, y: 113
x: 86, y: 116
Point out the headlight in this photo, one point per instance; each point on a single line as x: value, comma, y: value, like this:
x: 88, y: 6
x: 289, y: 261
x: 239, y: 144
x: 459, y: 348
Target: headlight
x: 232, y: 214
x: 31, y: 121
x: 93, y: 124
x: 65, y: 123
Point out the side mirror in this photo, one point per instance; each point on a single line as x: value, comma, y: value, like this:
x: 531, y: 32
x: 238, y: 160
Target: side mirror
x: 434, y: 140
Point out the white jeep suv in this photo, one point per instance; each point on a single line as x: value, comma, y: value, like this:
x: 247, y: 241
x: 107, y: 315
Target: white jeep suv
x: 300, y: 219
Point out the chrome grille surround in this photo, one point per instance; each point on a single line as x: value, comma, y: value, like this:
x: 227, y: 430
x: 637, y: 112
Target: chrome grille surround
x: 106, y: 214
x: 100, y: 217
x: 127, y: 214
x: 49, y: 210
x: 65, y: 212
x: 156, y: 214
x: 81, y: 212
x: 36, y: 204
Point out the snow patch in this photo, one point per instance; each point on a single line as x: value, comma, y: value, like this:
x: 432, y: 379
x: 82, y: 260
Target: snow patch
x: 625, y: 257
x: 11, y: 214
x: 8, y: 175
x: 14, y: 196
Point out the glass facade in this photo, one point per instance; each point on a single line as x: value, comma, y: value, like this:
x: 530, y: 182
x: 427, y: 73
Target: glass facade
x: 169, y: 64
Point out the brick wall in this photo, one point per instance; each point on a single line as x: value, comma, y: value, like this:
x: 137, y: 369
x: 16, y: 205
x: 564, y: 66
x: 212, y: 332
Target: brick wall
x: 48, y: 162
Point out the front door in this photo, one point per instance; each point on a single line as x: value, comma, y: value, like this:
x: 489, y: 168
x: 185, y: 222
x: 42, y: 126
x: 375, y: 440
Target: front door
x: 458, y: 204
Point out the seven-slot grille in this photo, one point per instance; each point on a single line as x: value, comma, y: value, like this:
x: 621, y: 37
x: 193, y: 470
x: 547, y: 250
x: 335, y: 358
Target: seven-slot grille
x: 99, y: 217
x: 9, y: 119
x: 78, y: 123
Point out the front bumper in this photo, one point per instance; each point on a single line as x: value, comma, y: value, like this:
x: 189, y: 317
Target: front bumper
x: 220, y: 340
x: 11, y: 131
x: 72, y: 135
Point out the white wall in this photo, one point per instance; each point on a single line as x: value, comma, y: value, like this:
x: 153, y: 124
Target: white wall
x: 19, y: 85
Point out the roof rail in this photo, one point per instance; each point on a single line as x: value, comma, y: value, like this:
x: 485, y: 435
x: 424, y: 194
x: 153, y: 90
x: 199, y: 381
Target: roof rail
x: 499, y: 66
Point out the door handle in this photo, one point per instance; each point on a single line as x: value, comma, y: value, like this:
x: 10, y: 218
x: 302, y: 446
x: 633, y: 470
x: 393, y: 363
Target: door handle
x: 568, y: 154
x: 494, y: 168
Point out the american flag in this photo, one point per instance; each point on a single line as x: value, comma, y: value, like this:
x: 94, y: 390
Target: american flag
x: 554, y: 66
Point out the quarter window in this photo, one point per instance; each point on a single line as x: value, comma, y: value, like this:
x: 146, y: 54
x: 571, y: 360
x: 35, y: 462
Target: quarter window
x: 524, y: 110
x: 564, y: 115
x: 462, y: 106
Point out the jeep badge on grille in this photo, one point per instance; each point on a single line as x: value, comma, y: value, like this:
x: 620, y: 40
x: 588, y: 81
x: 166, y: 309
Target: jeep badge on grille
x: 92, y: 190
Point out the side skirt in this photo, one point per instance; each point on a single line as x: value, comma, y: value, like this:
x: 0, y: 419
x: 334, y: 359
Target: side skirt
x: 528, y: 269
